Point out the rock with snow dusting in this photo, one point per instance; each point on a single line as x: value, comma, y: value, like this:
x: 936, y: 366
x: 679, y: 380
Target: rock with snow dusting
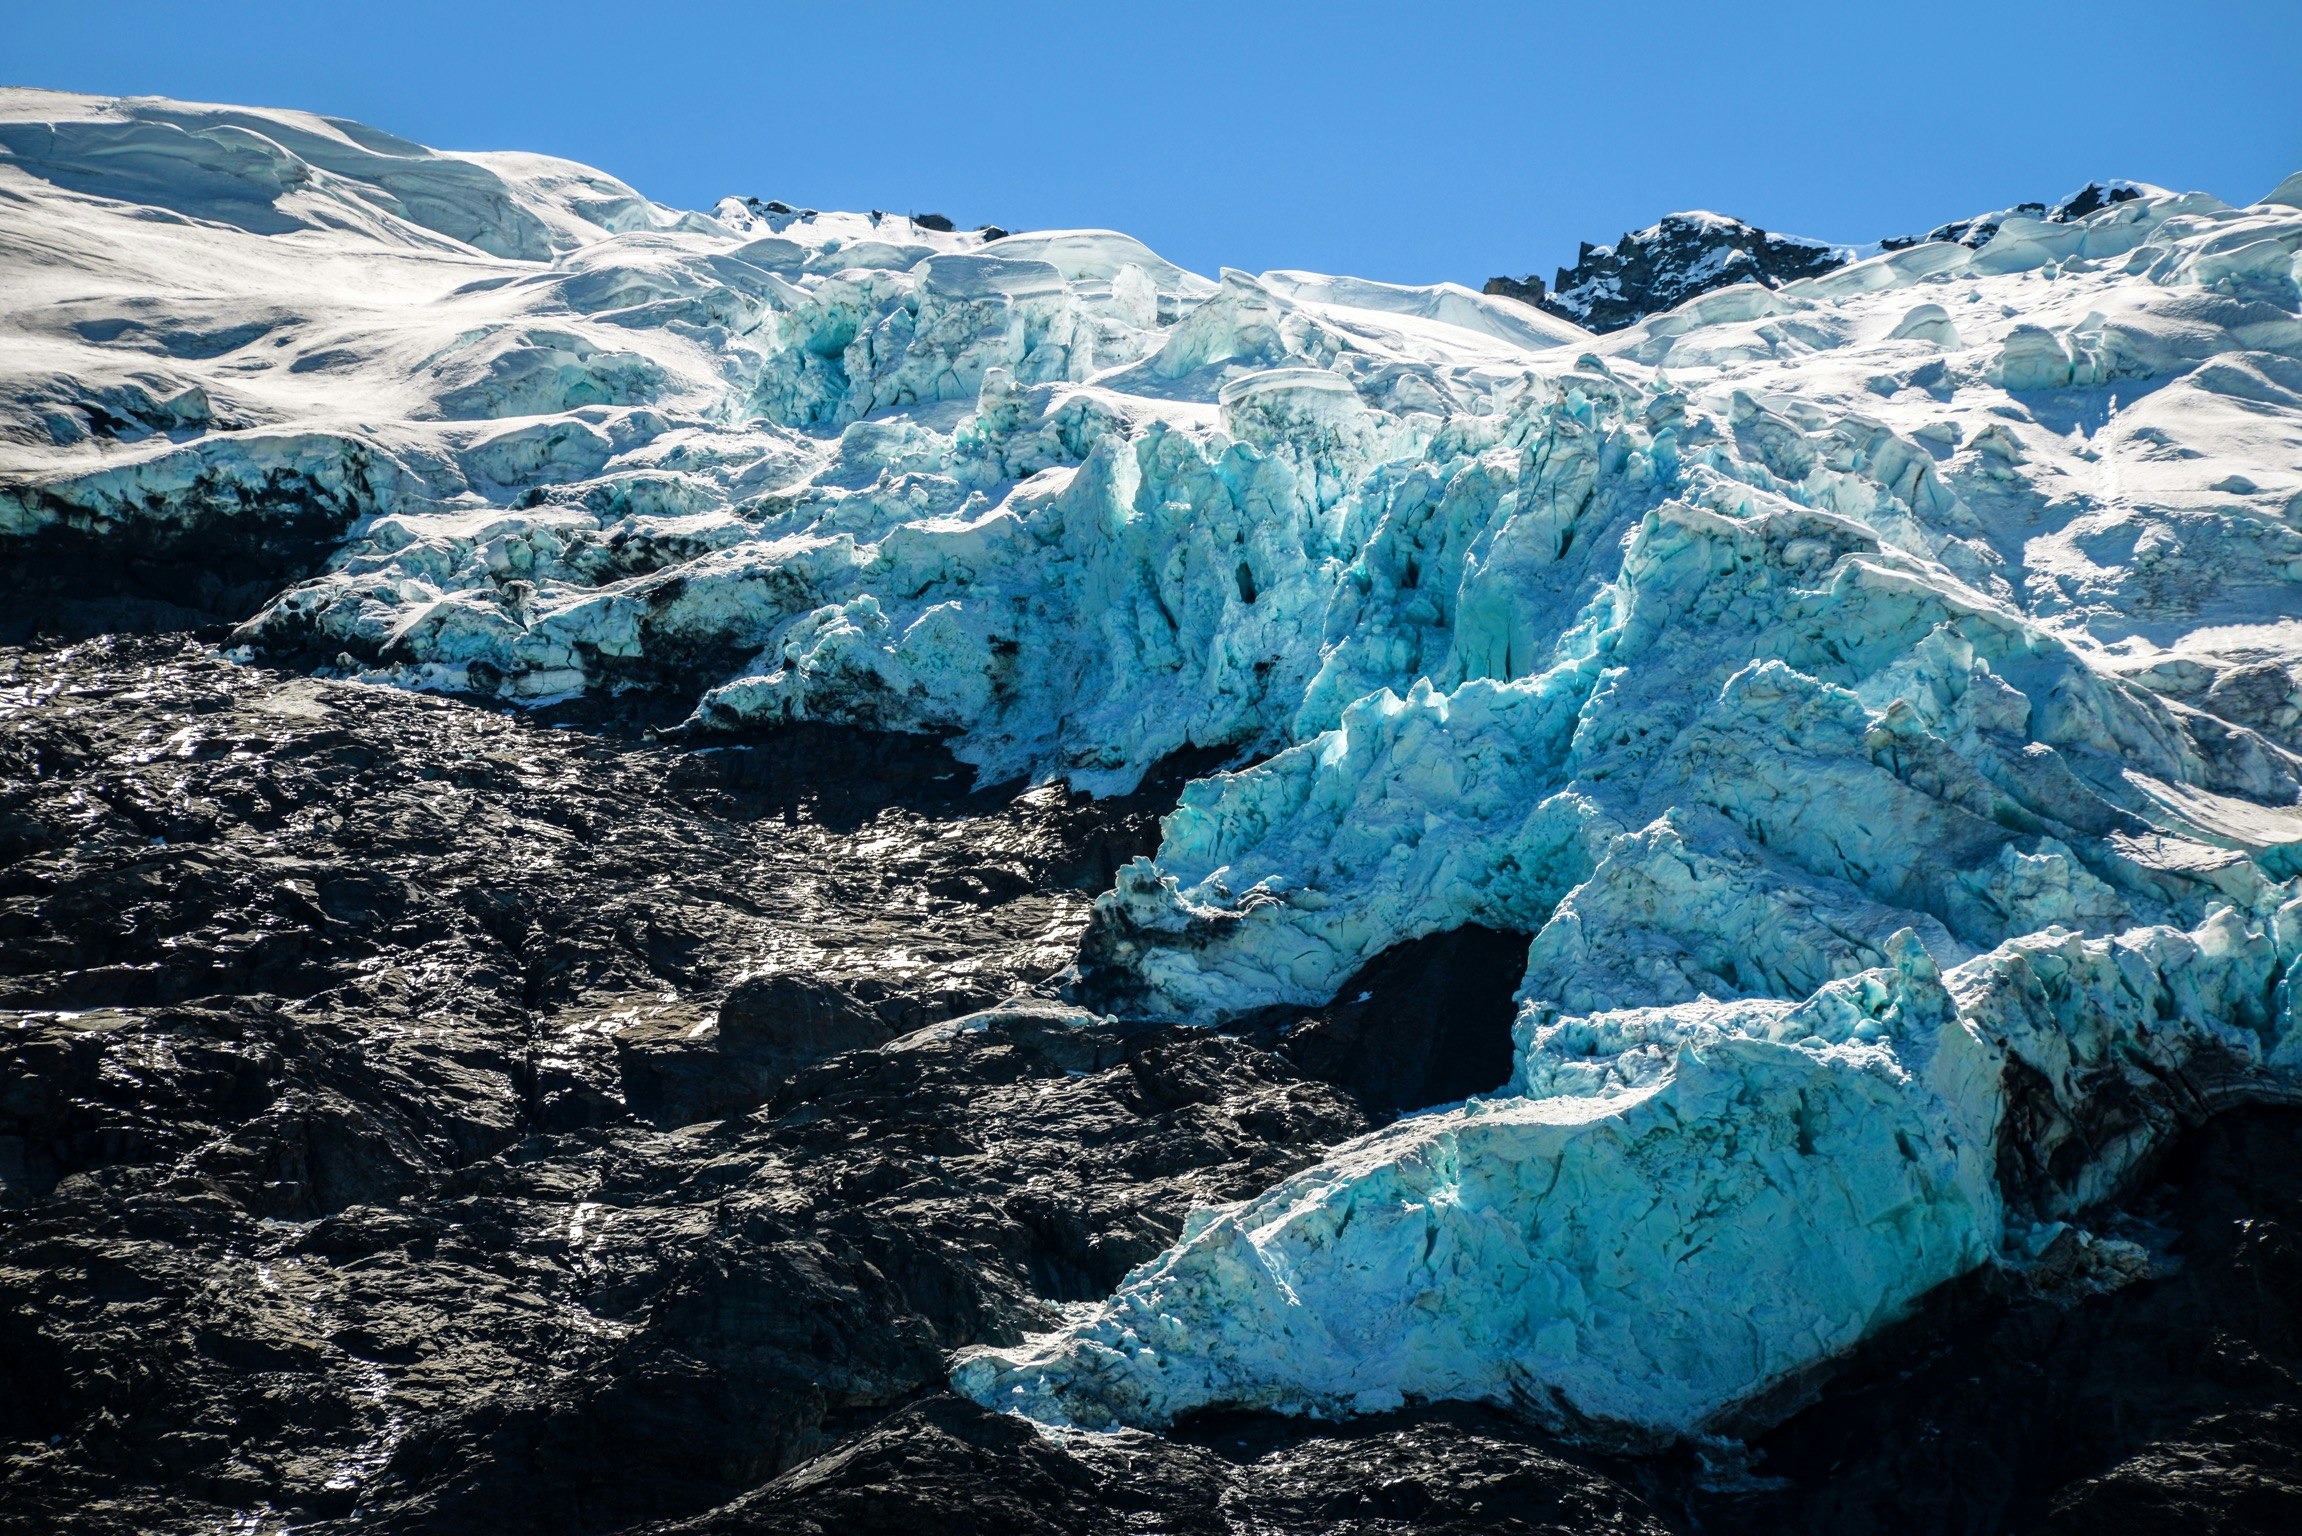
x: 1667, y: 263
x: 1686, y: 254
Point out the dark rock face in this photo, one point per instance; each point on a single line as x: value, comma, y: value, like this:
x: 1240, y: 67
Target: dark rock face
x: 1527, y: 290
x: 419, y: 1118
x: 373, y: 1149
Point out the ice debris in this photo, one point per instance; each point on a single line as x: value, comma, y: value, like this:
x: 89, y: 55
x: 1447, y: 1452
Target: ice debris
x: 1878, y: 695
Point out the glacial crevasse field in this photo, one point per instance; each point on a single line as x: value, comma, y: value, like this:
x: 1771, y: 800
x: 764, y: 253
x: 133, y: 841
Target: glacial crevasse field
x: 1880, y: 696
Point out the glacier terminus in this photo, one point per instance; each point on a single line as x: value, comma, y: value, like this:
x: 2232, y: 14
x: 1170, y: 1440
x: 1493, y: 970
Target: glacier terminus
x: 1878, y: 693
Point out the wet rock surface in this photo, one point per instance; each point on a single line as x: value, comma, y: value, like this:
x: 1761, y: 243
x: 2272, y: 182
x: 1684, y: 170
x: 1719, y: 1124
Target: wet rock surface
x: 417, y: 1117
x: 371, y: 1148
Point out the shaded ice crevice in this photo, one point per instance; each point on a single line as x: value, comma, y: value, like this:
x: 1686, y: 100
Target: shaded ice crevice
x: 1878, y: 694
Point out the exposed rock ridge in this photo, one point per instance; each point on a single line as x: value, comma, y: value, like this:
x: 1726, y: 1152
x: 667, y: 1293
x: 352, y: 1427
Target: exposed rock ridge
x: 1685, y: 254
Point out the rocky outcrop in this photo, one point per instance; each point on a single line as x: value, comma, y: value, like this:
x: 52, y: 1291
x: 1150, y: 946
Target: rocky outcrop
x: 1662, y: 266
x: 1686, y: 254
x: 392, y: 1128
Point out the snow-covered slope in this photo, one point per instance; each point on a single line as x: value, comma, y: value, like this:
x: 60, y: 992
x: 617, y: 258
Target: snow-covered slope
x: 1880, y: 696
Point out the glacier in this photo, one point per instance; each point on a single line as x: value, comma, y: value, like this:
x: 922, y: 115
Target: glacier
x: 1880, y: 695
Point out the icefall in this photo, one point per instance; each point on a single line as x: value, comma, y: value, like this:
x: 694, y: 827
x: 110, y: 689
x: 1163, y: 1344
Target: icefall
x: 1878, y: 696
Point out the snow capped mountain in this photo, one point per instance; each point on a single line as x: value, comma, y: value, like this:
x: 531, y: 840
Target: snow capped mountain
x: 1667, y: 263
x: 1877, y: 686
x: 1685, y: 254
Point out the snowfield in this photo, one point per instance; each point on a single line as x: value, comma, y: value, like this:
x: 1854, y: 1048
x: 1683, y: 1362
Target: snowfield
x: 1881, y: 696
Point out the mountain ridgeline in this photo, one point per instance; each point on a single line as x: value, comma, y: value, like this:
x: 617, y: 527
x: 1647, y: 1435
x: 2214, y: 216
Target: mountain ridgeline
x: 1681, y: 255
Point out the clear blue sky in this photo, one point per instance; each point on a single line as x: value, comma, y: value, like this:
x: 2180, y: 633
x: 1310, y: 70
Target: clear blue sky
x: 1409, y: 141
